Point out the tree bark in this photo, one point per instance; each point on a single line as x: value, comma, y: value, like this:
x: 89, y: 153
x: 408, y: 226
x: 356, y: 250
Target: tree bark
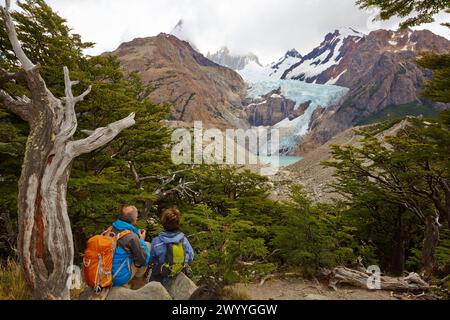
x: 45, y: 239
x: 342, y: 275
x: 430, y: 242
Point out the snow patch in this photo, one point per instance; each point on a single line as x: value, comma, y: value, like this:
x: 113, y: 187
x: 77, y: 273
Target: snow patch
x: 334, y: 80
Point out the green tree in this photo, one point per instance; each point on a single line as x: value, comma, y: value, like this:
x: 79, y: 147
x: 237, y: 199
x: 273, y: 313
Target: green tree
x: 438, y: 88
x: 409, y: 171
x: 422, y: 11
x: 107, y: 172
x: 45, y: 40
x: 229, y: 220
x: 229, y: 246
x: 313, y: 236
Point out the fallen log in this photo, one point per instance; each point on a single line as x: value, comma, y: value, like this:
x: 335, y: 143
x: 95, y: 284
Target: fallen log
x: 356, y: 278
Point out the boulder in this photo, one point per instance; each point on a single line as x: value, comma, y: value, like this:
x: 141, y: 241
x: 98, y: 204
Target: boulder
x: 181, y: 288
x: 152, y: 291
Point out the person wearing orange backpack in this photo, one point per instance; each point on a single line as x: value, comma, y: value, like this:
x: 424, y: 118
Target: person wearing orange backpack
x: 132, y: 254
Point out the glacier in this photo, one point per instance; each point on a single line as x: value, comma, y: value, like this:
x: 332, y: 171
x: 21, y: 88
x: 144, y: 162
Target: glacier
x: 300, y: 92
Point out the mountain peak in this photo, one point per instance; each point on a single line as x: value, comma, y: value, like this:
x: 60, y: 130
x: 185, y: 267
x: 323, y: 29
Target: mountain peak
x: 293, y: 53
x: 343, y: 33
x: 227, y: 58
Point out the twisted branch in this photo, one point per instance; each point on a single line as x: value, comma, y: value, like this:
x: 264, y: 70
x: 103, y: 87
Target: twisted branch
x: 27, y: 65
x: 19, y: 107
x: 70, y: 123
x: 100, y: 137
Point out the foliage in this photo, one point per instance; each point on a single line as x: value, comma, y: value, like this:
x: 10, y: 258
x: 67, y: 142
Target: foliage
x: 438, y: 88
x: 228, y: 218
x: 313, y: 236
x: 423, y: 11
x: 398, y: 180
x: 443, y: 253
x: 229, y: 247
x: 102, y: 181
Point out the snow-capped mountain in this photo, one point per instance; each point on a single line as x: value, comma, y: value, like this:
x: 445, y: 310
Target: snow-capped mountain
x: 326, y: 63
x: 380, y: 72
x: 323, y: 65
x: 253, y: 73
x: 236, y: 62
x: 287, y: 61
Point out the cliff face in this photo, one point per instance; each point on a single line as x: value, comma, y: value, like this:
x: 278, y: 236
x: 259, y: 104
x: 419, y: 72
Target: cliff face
x: 381, y: 72
x: 327, y: 62
x: 198, y: 88
x: 272, y: 108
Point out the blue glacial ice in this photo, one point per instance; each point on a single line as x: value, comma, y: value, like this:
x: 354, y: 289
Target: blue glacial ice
x: 300, y: 92
x: 320, y: 94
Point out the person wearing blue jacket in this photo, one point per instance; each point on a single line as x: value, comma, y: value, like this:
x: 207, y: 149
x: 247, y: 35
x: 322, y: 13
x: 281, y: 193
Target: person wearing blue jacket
x: 170, y: 220
x: 132, y: 255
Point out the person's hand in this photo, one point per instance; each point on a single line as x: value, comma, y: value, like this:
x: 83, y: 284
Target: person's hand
x: 143, y: 234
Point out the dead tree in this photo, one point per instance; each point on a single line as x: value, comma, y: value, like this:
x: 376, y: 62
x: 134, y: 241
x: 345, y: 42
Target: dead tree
x: 45, y: 241
x: 359, y: 279
x: 166, y: 187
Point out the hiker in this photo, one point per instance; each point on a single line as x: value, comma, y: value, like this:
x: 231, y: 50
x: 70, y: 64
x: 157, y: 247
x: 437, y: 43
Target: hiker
x: 132, y: 255
x: 171, y: 251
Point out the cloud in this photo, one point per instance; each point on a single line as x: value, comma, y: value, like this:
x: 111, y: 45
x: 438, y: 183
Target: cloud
x: 265, y: 27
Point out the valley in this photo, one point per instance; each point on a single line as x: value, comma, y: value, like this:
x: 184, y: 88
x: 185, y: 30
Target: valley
x: 349, y: 79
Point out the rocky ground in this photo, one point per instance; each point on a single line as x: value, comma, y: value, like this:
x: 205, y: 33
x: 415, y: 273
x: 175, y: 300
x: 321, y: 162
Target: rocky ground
x: 312, y: 175
x: 300, y: 289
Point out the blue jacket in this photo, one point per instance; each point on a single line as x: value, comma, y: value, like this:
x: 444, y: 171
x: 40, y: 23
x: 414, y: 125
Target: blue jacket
x: 123, y: 259
x: 159, y: 246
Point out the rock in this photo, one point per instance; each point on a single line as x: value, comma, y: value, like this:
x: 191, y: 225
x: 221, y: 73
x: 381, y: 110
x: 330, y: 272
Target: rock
x: 272, y: 108
x: 181, y: 288
x: 315, y: 297
x: 152, y: 291
x: 87, y: 294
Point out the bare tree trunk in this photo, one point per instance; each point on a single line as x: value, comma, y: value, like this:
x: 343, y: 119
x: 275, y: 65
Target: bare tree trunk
x: 356, y: 278
x: 430, y: 243
x: 45, y: 236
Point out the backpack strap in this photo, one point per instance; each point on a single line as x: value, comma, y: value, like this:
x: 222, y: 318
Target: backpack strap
x: 123, y: 234
x: 108, y: 231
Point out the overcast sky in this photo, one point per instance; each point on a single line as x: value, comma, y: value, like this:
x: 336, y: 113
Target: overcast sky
x: 266, y: 27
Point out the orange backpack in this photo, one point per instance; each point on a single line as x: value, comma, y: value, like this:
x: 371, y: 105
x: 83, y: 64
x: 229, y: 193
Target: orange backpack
x: 98, y: 258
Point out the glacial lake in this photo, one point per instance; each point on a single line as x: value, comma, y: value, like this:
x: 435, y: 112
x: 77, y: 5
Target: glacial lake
x: 284, y: 161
